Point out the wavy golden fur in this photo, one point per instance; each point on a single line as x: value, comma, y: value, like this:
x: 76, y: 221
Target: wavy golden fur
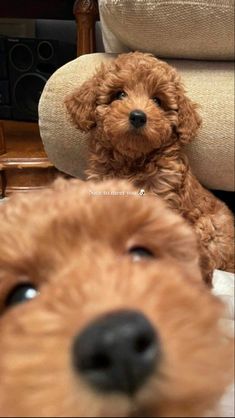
x: 152, y: 157
x: 73, y: 244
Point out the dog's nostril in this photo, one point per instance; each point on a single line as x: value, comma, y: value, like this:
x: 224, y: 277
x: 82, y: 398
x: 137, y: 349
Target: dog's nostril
x: 143, y: 343
x: 99, y: 361
x: 137, y: 118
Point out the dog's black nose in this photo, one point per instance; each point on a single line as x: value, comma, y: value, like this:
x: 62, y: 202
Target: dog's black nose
x: 137, y: 118
x: 118, y: 352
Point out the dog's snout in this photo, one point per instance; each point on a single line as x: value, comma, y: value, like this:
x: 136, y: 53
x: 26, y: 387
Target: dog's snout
x: 118, y: 352
x: 137, y: 118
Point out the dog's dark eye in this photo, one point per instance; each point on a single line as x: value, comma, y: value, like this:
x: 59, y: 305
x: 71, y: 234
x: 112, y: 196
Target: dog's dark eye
x: 120, y: 95
x: 21, y: 293
x: 138, y: 253
x: 157, y: 101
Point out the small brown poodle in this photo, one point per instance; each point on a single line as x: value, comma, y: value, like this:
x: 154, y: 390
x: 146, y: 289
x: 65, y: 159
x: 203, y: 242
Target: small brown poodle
x: 139, y: 118
x: 103, y: 311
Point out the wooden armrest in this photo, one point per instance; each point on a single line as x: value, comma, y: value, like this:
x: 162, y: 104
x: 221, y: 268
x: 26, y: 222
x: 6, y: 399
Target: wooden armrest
x: 86, y: 13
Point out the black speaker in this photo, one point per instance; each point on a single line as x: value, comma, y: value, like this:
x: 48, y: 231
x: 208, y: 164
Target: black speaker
x: 25, y: 66
x: 5, y: 111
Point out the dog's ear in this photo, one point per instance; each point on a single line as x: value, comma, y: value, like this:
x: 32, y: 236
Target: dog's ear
x: 189, y: 120
x: 81, y: 105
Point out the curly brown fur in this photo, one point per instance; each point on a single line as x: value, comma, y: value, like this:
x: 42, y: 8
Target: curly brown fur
x: 74, y: 245
x: 151, y: 157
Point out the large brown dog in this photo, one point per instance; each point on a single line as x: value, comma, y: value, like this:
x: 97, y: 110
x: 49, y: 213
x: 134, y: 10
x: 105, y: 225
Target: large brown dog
x: 139, y: 118
x: 119, y: 323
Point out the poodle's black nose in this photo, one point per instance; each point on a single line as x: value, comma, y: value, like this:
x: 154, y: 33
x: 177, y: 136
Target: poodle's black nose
x: 117, y: 352
x: 137, y: 118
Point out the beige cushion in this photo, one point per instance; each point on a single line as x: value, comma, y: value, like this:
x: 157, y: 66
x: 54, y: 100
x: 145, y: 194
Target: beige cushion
x: 195, y: 29
x: 208, y: 83
x: 64, y: 144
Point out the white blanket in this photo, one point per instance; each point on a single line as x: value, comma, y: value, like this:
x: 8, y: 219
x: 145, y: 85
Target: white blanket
x: 223, y: 287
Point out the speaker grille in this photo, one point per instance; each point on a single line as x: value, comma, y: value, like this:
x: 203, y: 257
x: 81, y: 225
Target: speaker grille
x: 21, y: 57
x: 27, y: 65
x: 45, y: 50
x: 27, y: 92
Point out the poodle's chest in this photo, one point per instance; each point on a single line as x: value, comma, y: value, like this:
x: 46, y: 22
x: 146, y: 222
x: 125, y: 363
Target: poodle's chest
x: 161, y: 176
x: 158, y: 179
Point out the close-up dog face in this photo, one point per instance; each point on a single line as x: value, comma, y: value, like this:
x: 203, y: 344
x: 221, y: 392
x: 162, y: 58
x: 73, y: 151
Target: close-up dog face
x: 103, y: 311
x: 135, y: 104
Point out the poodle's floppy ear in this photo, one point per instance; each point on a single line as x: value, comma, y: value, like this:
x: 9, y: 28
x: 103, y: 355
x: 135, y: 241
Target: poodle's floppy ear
x: 81, y: 105
x: 189, y: 120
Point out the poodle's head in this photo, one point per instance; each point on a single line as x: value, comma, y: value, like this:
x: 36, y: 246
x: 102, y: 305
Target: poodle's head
x: 103, y: 312
x: 135, y: 104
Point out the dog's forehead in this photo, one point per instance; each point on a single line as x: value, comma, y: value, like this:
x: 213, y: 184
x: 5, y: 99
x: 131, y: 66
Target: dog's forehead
x: 73, y: 218
x: 96, y: 210
x: 140, y: 67
x: 135, y: 75
x: 73, y: 205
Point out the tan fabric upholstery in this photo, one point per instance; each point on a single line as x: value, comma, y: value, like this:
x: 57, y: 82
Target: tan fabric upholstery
x: 208, y: 83
x: 195, y: 29
x: 65, y: 146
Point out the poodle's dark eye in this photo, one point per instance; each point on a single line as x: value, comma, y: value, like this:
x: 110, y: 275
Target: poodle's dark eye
x: 120, y: 95
x: 157, y: 101
x: 138, y: 253
x: 21, y: 293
